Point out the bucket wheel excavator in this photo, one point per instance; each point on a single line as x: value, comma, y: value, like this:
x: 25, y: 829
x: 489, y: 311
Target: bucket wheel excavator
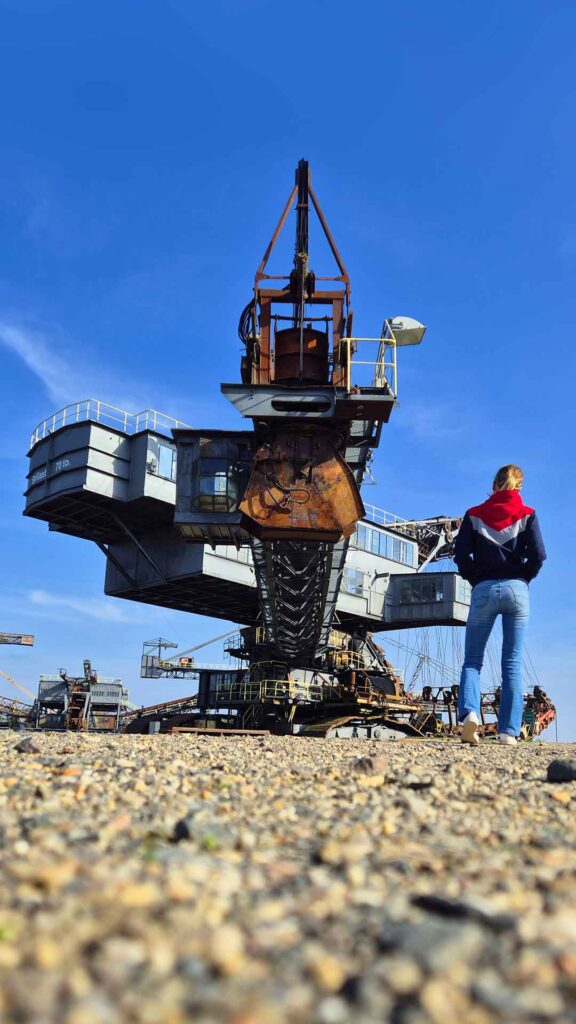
x: 265, y: 526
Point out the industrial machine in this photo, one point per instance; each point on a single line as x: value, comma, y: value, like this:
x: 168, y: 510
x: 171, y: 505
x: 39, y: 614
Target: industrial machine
x: 265, y: 526
x: 14, y: 713
x: 79, y: 703
x: 19, y: 639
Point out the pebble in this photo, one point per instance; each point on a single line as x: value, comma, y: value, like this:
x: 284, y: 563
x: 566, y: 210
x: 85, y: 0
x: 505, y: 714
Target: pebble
x: 27, y: 746
x: 433, y: 943
x: 370, y: 765
x: 226, y: 949
x: 562, y: 771
x: 276, y: 880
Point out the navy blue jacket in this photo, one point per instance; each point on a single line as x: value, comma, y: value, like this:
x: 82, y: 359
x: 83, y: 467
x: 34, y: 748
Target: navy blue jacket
x: 500, y: 540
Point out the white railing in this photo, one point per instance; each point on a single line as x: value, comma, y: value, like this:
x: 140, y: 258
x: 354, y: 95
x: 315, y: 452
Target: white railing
x: 381, y: 517
x: 212, y: 666
x: 95, y: 411
x: 100, y: 680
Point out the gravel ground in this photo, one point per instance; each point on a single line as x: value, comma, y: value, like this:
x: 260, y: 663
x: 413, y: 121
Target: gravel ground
x: 167, y: 879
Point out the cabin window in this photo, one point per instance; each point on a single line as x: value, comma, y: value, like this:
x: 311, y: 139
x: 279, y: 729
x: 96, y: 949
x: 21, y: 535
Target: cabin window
x: 353, y: 582
x: 379, y: 543
x: 422, y: 590
x: 166, y: 462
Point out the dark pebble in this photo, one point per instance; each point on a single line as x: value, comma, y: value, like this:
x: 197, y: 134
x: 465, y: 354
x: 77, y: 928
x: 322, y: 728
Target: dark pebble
x: 459, y: 910
x: 561, y: 771
x: 27, y: 746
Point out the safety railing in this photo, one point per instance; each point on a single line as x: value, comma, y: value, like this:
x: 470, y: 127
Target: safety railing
x: 345, y: 659
x: 383, y: 371
x: 242, y: 641
x: 381, y: 517
x: 269, y: 689
x: 95, y: 411
x: 100, y: 680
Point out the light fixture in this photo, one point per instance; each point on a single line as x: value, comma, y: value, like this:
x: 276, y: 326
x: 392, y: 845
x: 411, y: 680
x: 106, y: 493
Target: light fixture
x: 406, y: 330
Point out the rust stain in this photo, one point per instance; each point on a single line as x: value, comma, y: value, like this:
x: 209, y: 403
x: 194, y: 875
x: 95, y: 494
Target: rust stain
x: 301, y: 487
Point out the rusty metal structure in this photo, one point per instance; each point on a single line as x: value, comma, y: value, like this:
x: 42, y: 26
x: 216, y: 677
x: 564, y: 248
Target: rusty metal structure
x: 265, y: 526
x: 313, y: 433
x: 359, y: 694
x: 14, y: 712
x: 79, y: 703
x: 18, y: 639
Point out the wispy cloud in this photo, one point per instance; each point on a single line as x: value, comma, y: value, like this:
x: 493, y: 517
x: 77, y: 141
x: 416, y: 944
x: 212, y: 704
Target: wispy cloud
x: 55, y: 372
x: 69, y: 377
x: 72, y: 377
x: 101, y: 608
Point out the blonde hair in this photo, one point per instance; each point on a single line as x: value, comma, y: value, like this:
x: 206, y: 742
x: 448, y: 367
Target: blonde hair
x: 508, y: 478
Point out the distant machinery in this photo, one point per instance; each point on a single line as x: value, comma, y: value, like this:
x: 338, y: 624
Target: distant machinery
x: 265, y: 526
x: 20, y: 639
x: 14, y: 711
x: 78, y: 703
x: 153, y: 665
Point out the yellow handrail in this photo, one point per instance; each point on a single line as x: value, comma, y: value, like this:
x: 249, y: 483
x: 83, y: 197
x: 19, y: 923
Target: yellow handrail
x: 385, y: 363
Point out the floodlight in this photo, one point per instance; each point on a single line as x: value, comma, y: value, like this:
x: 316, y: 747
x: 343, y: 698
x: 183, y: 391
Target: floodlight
x: 406, y: 330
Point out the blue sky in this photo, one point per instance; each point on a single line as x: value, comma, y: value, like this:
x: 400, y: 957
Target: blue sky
x: 147, y: 149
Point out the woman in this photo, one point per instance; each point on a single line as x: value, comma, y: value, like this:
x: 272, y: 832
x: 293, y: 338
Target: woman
x: 499, y: 549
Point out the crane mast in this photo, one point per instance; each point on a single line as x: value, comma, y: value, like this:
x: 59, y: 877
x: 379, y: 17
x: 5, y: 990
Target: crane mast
x: 313, y: 432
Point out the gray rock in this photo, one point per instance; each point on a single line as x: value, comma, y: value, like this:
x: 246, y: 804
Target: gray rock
x: 27, y: 746
x: 561, y: 771
x: 433, y: 943
x: 369, y: 765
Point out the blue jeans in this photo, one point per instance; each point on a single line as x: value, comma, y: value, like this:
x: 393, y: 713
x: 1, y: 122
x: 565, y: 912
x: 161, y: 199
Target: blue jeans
x: 510, y: 599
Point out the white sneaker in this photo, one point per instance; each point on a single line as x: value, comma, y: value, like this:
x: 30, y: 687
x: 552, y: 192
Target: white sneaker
x: 505, y: 737
x: 470, y: 728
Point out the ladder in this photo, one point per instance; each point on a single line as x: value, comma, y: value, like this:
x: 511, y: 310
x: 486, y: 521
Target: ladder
x: 77, y: 711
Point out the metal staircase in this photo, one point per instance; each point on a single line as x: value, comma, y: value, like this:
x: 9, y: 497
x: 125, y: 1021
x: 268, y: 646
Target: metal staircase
x: 78, y: 710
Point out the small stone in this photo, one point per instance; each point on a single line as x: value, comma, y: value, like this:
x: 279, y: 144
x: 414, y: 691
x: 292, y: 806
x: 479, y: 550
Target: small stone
x: 369, y: 765
x: 256, y: 1013
x: 333, y: 1010
x: 226, y: 949
x: 27, y: 746
x: 371, y: 781
x: 138, y: 894
x: 417, y: 781
x: 562, y: 796
x: 443, y: 1003
x: 325, y: 969
x: 567, y: 963
x: 403, y: 976
x: 336, y: 852
x: 9, y: 956
x: 48, y: 954
x: 435, y: 944
x: 56, y: 876
x: 561, y: 771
